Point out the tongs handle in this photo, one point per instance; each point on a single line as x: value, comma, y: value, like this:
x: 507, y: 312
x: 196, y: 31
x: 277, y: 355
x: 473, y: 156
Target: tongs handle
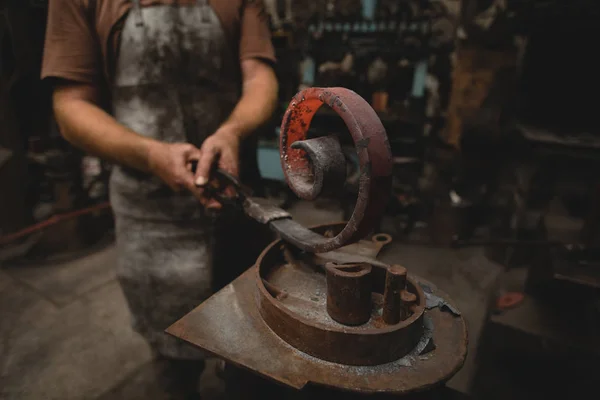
x: 217, y: 184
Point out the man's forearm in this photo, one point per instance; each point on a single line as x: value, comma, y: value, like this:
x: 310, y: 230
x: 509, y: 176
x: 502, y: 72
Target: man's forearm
x: 258, y: 101
x: 88, y: 127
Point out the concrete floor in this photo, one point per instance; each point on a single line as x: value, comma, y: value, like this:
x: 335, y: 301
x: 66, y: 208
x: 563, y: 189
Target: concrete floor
x: 65, y: 330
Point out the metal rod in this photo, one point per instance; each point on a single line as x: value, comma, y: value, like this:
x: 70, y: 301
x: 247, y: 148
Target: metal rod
x: 395, y: 282
x: 408, y: 300
x: 349, y: 293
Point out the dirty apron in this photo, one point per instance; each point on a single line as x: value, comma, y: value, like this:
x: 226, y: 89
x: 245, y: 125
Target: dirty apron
x: 175, y: 81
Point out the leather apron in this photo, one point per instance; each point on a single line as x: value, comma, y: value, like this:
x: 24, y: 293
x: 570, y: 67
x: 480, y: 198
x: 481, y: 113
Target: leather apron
x: 176, y: 80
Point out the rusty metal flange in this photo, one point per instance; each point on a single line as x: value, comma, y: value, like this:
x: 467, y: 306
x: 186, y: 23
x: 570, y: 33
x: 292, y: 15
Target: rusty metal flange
x: 306, y: 322
x: 311, y: 165
x: 338, y: 313
x: 233, y: 325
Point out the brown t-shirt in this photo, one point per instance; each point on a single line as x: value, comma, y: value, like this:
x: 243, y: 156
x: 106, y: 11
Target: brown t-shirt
x: 82, y: 40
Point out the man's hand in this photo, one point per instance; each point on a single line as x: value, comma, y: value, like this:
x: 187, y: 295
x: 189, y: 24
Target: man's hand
x: 172, y: 162
x: 222, y: 146
x: 259, y: 97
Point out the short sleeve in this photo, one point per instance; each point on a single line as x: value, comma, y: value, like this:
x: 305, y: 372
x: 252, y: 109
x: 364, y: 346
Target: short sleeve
x: 255, y: 38
x: 71, y: 50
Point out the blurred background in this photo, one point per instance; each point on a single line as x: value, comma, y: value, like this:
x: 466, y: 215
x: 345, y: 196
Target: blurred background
x: 488, y: 109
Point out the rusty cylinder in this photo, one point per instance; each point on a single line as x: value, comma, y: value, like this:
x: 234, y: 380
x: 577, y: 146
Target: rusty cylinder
x: 395, y: 283
x: 349, y: 293
x: 408, y: 300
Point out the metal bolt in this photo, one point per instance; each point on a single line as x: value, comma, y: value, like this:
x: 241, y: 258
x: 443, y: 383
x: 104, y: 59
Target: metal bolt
x: 395, y: 283
x: 408, y: 301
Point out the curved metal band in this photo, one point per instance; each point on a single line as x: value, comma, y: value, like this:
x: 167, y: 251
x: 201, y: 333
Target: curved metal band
x: 301, y: 166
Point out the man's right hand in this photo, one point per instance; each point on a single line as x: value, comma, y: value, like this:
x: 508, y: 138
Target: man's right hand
x: 172, y: 162
x: 84, y: 124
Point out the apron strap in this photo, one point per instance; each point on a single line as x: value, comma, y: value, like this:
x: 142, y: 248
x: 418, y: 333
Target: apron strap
x: 139, y: 20
x: 204, y: 9
x: 137, y: 13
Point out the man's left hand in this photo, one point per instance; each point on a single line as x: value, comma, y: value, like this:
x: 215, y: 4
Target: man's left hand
x: 223, y: 145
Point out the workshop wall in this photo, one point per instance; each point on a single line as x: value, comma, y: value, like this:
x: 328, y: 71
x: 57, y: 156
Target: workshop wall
x: 543, y: 45
x: 43, y: 179
x: 24, y: 105
x: 395, y: 54
x: 491, y: 42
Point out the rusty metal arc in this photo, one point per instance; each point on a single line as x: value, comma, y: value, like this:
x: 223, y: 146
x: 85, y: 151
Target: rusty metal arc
x: 301, y: 166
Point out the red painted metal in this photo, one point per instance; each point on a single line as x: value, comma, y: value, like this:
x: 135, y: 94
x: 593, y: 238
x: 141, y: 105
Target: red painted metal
x: 372, y: 148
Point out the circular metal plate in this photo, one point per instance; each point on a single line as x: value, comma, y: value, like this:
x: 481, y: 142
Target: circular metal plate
x: 292, y: 302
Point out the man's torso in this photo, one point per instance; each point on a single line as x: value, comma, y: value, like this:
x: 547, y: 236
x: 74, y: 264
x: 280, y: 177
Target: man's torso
x: 109, y: 16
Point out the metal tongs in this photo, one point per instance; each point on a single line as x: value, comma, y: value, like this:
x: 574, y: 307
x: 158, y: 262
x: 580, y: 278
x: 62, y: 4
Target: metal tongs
x: 259, y: 209
x: 221, y: 180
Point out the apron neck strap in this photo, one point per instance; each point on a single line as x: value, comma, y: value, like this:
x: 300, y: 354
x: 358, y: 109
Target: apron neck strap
x: 137, y: 13
x: 205, y: 7
x: 139, y: 20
